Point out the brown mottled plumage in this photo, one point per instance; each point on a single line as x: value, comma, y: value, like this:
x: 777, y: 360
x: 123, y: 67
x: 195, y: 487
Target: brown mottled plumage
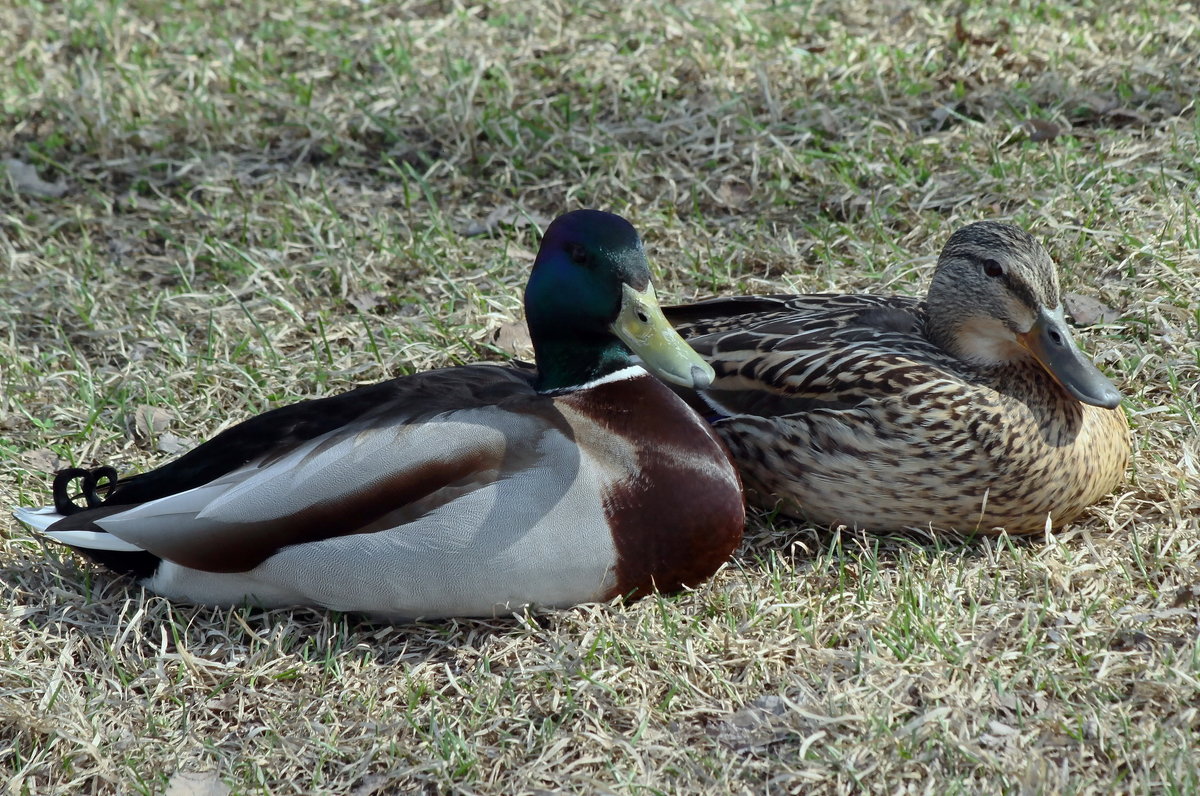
x: 971, y: 410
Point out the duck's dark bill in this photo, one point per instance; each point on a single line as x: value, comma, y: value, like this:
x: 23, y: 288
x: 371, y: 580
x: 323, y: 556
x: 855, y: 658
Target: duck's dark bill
x: 1051, y: 343
x: 642, y: 326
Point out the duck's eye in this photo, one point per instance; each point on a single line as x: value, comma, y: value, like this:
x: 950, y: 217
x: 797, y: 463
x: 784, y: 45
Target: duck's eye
x: 578, y: 254
x: 992, y: 268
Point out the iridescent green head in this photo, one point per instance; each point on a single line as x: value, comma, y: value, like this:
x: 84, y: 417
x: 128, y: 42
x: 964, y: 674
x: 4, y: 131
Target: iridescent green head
x: 589, y: 304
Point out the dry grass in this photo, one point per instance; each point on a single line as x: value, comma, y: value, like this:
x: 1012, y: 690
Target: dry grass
x: 249, y: 203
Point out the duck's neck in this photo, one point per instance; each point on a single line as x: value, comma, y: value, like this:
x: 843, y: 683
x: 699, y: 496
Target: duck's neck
x: 567, y: 364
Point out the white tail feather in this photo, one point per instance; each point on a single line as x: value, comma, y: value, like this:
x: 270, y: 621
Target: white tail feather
x: 93, y: 540
x: 43, y: 518
x: 38, y: 519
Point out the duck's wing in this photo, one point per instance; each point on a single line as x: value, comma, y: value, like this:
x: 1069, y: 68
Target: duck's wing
x: 779, y: 355
x: 368, y: 460
x: 736, y: 313
x: 277, y: 432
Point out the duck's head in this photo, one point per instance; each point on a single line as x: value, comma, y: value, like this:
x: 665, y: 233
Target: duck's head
x: 589, y: 304
x: 995, y: 299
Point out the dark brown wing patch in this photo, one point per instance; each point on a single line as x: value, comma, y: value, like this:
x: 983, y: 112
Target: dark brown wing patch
x: 243, y: 546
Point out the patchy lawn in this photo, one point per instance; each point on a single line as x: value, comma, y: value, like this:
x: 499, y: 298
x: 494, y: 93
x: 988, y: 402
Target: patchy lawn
x: 208, y: 209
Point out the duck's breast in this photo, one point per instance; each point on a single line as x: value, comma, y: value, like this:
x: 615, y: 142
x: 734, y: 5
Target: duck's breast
x: 672, y: 497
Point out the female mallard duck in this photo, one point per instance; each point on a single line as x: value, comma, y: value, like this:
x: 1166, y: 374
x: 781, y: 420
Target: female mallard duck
x: 971, y: 410
x: 457, y: 492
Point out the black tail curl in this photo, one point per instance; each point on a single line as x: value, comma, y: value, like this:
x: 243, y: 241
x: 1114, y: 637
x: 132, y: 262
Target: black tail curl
x: 64, y: 503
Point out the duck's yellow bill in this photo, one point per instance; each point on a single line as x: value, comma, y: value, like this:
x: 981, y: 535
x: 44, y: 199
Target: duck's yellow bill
x: 642, y: 326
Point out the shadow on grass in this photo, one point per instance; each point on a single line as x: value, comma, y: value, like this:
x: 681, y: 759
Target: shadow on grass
x: 62, y: 596
x: 772, y: 535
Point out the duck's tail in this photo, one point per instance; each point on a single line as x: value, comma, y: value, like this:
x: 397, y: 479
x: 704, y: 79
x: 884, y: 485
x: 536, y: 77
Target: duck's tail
x: 38, y: 519
x: 80, y: 533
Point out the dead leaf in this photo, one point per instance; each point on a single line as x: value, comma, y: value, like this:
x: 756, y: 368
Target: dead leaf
x: 517, y: 252
x: 148, y: 423
x: 171, y: 444
x: 42, y: 460
x: 512, y: 337
x: 505, y: 215
x: 1040, y: 130
x: 146, y: 137
x: 1087, y: 310
x: 963, y: 36
x: 733, y: 193
x: 25, y: 179
x: 371, y: 785
x: 196, y: 783
x: 364, y: 301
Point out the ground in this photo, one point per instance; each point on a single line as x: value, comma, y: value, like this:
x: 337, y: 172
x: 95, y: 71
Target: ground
x: 208, y: 209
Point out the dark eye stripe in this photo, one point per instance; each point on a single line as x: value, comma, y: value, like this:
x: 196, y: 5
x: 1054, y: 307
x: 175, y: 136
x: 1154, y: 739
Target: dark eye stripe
x: 1017, y: 287
x: 1021, y: 290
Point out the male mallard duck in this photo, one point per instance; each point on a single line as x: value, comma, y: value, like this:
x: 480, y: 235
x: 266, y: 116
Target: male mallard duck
x: 457, y: 492
x: 971, y: 410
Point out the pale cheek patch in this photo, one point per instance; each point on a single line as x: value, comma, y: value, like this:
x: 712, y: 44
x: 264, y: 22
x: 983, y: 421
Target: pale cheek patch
x: 988, y: 341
